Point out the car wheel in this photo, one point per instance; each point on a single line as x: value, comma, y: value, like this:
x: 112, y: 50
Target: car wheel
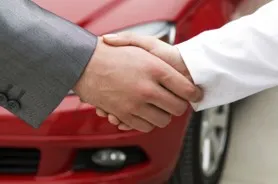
x: 205, y: 146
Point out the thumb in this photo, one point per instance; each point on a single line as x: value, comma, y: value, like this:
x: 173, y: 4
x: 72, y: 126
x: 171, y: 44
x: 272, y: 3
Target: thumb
x: 115, y: 40
x: 130, y: 39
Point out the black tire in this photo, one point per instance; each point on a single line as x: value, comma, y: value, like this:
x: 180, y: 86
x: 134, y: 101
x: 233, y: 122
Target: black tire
x: 188, y: 169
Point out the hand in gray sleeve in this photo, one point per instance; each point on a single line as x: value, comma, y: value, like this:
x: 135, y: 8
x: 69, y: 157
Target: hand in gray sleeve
x: 41, y: 58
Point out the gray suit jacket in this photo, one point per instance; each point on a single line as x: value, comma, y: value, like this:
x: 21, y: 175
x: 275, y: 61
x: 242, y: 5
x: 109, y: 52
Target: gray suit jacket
x: 41, y: 58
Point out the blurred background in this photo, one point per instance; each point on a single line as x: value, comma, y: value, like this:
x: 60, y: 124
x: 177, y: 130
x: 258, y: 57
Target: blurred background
x: 230, y: 144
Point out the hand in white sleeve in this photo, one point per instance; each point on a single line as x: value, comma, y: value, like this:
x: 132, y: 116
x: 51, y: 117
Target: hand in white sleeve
x: 237, y: 60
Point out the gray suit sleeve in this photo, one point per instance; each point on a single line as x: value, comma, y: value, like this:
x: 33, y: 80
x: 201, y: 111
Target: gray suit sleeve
x: 41, y: 58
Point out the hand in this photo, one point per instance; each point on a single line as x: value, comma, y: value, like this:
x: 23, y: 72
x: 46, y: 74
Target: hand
x: 134, y: 86
x: 164, y: 51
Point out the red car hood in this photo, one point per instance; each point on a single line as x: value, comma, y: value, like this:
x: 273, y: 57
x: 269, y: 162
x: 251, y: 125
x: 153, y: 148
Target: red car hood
x: 102, y: 16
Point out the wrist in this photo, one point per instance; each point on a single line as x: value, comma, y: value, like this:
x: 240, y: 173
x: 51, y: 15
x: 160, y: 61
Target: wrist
x: 81, y: 83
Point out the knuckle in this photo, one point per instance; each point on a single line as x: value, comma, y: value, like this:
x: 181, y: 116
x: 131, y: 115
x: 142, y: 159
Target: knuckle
x: 130, y: 107
x: 166, y: 78
x: 191, y: 92
x: 146, y: 92
x: 156, y: 71
x: 192, y: 89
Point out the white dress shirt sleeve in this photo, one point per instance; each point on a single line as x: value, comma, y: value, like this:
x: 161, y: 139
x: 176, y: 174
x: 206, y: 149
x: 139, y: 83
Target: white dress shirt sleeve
x: 237, y: 60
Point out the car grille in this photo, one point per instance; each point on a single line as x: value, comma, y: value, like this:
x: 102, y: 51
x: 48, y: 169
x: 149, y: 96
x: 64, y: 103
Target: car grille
x: 19, y: 161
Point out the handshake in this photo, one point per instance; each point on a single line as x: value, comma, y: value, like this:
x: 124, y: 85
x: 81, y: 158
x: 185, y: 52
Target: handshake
x: 138, y: 82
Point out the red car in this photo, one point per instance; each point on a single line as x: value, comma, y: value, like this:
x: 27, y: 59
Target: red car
x: 74, y: 146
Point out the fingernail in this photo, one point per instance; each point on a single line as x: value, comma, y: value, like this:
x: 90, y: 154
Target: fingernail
x: 110, y: 35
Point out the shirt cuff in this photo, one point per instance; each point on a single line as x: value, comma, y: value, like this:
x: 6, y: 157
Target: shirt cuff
x: 201, y: 72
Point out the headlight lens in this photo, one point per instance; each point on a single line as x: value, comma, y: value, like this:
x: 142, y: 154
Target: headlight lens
x: 164, y: 31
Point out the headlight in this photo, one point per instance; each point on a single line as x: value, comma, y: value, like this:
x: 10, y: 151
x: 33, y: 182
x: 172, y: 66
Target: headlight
x: 164, y: 31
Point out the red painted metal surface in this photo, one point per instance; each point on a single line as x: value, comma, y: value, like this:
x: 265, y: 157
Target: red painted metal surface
x: 75, y: 125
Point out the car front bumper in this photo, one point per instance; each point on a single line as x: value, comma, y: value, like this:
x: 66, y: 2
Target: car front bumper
x: 74, y: 126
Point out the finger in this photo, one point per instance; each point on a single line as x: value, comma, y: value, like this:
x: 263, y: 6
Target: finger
x: 180, y: 85
x: 167, y: 101
x: 113, y: 119
x: 160, y: 49
x: 154, y: 115
x: 137, y: 123
x: 124, y: 127
x: 101, y: 113
x: 129, y: 38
